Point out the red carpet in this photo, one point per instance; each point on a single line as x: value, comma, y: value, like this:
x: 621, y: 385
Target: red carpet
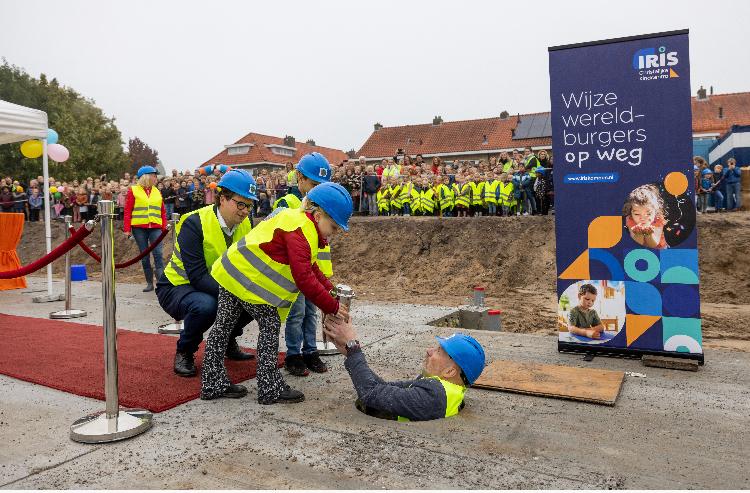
x: 70, y: 357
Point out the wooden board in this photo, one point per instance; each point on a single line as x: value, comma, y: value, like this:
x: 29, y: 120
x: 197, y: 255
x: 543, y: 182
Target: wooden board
x: 563, y: 382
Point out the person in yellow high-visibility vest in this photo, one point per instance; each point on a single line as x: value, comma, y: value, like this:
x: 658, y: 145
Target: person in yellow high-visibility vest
x: 445, y: 192
x: 490, y: 193
x: 394, y: 192
x: 301, y: 325
x: 506, y: 198
x: 145, y: 219
x: 427, y: 199
x: 263, y: 274
x: 383, y: 199
x: 186, y: 290
x: 477, y: 195
x: 406, y: 187
x: 462, y: 189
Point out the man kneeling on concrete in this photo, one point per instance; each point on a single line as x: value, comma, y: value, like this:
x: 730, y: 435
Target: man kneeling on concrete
x: 186, y: 290
x: 448, y: 370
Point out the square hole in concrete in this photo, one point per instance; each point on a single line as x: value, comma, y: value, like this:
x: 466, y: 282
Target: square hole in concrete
x: 471, y: 318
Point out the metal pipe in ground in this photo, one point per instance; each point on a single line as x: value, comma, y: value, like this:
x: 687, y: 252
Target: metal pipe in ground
x: 113, y: 423
x: 68, y: 312
x: 176, y: 326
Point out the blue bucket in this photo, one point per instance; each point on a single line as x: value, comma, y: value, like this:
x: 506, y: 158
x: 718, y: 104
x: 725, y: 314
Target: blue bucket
x: 78, y: 273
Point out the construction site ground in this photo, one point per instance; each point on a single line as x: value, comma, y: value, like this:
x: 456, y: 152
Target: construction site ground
x: 668, y: 429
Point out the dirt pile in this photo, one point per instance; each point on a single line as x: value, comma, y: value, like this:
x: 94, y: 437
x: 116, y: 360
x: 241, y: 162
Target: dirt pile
x: 438, y: 261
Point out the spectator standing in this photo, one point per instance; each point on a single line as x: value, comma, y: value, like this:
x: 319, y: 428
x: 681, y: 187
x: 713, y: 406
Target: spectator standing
x: 370, y: 186
x: 732, y: 177
x: 35, y: 204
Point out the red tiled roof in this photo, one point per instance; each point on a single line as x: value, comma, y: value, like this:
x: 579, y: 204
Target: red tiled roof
x: 259, y: 153
x: 735, y: 109
x: 458, y: 136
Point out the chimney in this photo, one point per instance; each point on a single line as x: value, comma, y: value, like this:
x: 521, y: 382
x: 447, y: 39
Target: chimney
x: 289, y: 141
x: 437, y: 120
x: 378, y: 126
x: 711, y: 91
x: 310, y: 142
x: 351, y: 154
x: 504, y: 115
x: 721, y: 112
x: 701, y: 94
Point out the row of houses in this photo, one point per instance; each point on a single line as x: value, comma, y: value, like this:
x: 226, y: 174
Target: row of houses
x: 721, y: 129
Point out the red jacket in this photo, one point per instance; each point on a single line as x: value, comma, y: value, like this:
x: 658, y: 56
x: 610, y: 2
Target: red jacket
x: 292, y: 249
x: 130, y: 202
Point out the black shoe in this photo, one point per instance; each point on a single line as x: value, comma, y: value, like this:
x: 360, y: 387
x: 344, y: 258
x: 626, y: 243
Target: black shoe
x: 295, y: 365
x: 314, y: 362
x: 184, y: 365
x: 232, y: 392
x: 149, y: 287
x: 287, y: 396
x: 235, y: 353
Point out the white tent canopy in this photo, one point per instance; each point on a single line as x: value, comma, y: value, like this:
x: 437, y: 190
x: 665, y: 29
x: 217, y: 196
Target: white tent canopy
x: 19, y: 123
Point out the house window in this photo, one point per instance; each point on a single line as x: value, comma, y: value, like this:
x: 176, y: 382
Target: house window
x: 282, y: 150
x: 238, y: 150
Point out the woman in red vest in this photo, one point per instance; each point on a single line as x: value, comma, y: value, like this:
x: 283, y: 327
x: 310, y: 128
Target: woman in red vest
x: 145, y: 219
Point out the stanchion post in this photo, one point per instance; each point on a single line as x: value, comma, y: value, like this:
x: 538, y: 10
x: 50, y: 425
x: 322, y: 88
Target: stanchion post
x: 113, y: 423
x: 68, y: 312
x: 176, y: 327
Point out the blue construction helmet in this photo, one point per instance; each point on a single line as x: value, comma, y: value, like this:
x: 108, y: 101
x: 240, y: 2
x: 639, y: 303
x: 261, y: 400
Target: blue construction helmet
x: 239, y: 181
x: 707, y: 172
x: 335, y: 201
x: 466, y: 352
x: 144, y: 170
x: 540, y: 169
x: 315, y: 167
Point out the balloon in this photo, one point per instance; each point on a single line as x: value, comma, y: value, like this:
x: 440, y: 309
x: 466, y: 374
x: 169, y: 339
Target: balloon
x: 58, y: 195
x: 223, y: 168
x: 201, y: 171
x: 19, y: 189
x: 52, y: 189
x: 676, y: 183
x: 32, y: 149
x: 51, y: 136
x: 208, y: 169
x: 58, y: 152
x: 212, y: 186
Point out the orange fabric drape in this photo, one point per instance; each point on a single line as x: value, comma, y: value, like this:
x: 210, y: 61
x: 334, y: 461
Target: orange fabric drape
x: 11, y: 229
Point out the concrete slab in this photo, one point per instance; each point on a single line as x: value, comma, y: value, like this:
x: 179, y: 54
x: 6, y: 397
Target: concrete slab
x: 668, y: 430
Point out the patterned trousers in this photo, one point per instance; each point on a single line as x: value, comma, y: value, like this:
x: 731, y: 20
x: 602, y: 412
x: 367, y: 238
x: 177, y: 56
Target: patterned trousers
x: 214, y: 378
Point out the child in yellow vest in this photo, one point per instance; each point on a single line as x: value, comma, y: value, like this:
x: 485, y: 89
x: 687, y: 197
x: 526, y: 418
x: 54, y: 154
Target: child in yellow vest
x: 506, y: 200
x: 394, y: 191
x: 462, y: 191
x: 477, y: 195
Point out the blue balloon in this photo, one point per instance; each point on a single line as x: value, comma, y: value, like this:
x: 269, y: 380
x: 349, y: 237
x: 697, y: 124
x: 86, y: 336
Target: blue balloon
x: 223, y: 168
x: 52, y: 136
x: 209, y: 169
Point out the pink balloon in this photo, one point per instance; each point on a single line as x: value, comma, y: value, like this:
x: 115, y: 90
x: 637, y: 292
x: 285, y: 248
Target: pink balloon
x: 58, y: 152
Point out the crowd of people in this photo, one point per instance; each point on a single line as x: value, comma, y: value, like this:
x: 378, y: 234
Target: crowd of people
x: 717, y: 187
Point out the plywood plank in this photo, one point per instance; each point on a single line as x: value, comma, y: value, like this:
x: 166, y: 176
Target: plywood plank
x: 563, y: 382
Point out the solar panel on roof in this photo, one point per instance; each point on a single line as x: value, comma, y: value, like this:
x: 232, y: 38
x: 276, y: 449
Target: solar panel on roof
x: 534, y: 126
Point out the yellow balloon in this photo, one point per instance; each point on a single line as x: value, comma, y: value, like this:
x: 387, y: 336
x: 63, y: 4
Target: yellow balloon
x: 19, y: 189
x: 52, y: 189
x: 32, y: 149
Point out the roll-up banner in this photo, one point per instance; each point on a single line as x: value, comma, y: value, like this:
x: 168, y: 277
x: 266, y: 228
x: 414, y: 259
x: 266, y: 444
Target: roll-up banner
x: 627, y: 257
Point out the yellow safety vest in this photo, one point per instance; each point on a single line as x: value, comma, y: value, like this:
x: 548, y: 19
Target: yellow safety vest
x: 324, y: 261
x: 292, y: 201
x: 490, y: 191
x: 405, y: 193
x: 247, y: 272
x: 463, y: 194
x: 507, y: 167
x: 416, y: 200
x: 291, y: 178
x: 214, y: 243
x: 477, y: 193
x: 382, y: 198
x: 454, y: 397
x: 147, y: 208
x: 395, y: 192
x: 506, y: 194
x: 428, y: 200
x: 446, y: 197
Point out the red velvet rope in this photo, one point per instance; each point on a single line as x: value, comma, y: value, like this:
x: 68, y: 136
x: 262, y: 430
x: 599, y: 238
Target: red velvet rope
x: 130, y: 262
x: 60, y: 250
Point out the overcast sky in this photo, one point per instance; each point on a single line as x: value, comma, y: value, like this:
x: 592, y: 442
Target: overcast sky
x: 188, y: 77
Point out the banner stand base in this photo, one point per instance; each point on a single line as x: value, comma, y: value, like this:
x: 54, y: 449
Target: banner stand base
x: 566, y: 347
x: 98, y: 428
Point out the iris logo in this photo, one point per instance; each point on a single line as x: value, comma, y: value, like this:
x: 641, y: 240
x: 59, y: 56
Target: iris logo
x: 323, y: 172
x: 648, y: 58
x: 655, y: 63
x: 253, y: 188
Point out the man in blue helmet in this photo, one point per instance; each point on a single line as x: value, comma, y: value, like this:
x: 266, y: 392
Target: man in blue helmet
x: 186, y: 290
x: 301, y: 325
x: 449, y: 369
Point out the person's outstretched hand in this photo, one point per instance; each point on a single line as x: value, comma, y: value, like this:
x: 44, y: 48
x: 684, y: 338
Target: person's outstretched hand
x: 339, y: 331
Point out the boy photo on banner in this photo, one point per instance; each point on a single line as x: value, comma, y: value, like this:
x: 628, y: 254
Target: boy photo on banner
x: 627, y: 258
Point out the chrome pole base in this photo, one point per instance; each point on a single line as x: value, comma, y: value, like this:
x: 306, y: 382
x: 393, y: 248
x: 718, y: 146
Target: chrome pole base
x: 173, y: 328
x: 48, y: 298
x: 72, y: 313
x: 97, y: 428
x: 327, y: 348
